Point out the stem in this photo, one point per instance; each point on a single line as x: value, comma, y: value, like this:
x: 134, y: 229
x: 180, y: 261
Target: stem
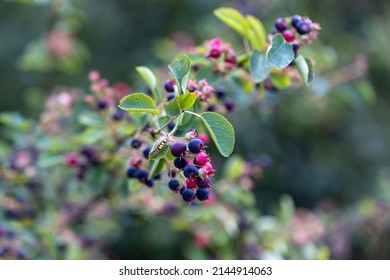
x: 168, y: 122
x: 192, y: 113
x: 247, y: 46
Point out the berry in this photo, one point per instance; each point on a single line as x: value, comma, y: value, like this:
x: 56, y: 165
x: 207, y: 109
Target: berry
x: 135, y: 143
x: 188, y: 195
x: 220, y: 91
x: 229, y: 105
x: 178, y: 149
x: 303, y: 27
x: 171, y: 126
x: 204, y: 183
x: 202, y: 194
x: 202, y: 158
x: 131, y: 172
x: 168, y: 85
x: 182, y: 190
x: 146, y: 151
x: 171, y: 96
x: 295, y: 48
x: 172, y: 173
x: 295, y: 19
x: 195, y: 145
x: 191, y: 182
x: 180, y: 162
x: 102, y: 104
x: 215, y: 53
x: 142, y: 175
x: 118, y: 115
x: 203, y: 137
x: 210, y: 108
x: 288, y: 35
x: 174, y: 185
x: 190, y: 171
x: 281, y: 24
x: 71, y: 159
x: 149, y: 183
x: 206, y: 170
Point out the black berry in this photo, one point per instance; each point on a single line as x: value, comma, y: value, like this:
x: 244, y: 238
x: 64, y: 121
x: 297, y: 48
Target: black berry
x: 142, y: 175
x: 220, y: 91
x: 171, y: 126
x: 203, y: 183
x: 180, y: 162
x: 170, y: 96
x: 195, y: 145
x: 229, y: 105
x: 149, y: 183
x: 135, y: 143
x: 102, y: 104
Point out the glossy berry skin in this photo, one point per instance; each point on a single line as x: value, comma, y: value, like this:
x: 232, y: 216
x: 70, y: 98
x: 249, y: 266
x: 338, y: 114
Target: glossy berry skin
x: 174, y: 185
x: 303, y: 27
x: 295, y: 19
x: 146, y: 151
x: 142, y: 175
x: 135, y: 143
x: 149, y: 183
x: 180, y: 162
x: 178, y: 149
x: 168, y: 85
x: 281, y: 24
x: 131, y: 172
x: 195, y: 146
x: 203, y: 183
x: 288, y: 35
x: 190, y: 171
x: 202, y: 194
x: 171, y: 96
x: 188, y: 195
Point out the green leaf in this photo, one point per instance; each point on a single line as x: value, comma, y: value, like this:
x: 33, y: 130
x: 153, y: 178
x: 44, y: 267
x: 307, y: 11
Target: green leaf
x: 92, y: 119
x: 221, y: 131
x: 280, y: 54
x: 305, y: 69
x: 150, y: 80
x: 186, y: 100
x: 233, y: 19
x: 259, y: 67
x: 180, y: 69
x: 138, y: 102
x: 281, y: 80
x: 257, y: 35
x: 157, y: 166
x: 172, y: 108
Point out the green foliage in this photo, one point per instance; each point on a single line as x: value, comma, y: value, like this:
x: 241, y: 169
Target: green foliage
x: 150, y: 80
x: 186, y: 100
x: 138, y: 102
x: 259, y: 67
x: 280, y: 53
x: 305, y: 68
x: 180, y: 69
x: 233, y: 19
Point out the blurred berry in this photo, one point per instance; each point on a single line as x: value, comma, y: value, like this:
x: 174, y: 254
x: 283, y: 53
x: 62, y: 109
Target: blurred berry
x: 229, y: 105
x: 281, y: 24
x: 149, y: 183
x: 132, y: 172
x: 142, y: 175
x: 204, y: 183
x: 215, y: 53
x: 118, y: 115
x: 136, y: 143
x: 171, y: 96
x: 168, y: 85
x: 295, y: 19
x: 102, y: 104
x: 303, y: 27
x: 220, y: 91
x: 146, y: 151
x: 210, y: 108
x: 171, y: 126
x: 288, y: 35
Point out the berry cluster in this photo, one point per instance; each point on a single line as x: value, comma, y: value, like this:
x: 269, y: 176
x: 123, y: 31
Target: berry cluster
x: 10, y: 245
x: 87, y: 156
x: 192, y: 160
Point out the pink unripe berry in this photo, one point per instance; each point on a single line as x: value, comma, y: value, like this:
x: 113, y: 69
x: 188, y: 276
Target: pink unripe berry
x: 94, y: 75
x: 136, y: 162
x: 204, y: 138
x: 288, y: 35
x: 202, y: 158
x: 208, y: 90
x: 215, y: 53
x: 208, y: 169
x: 71, y: 159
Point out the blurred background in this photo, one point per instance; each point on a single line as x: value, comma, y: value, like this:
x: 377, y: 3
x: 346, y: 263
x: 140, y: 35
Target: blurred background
x: 329, y: 143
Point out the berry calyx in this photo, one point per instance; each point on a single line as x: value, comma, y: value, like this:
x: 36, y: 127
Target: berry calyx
x: 303, y: 27
x: 281, y: 24
x: 288, y: 35
x: 190, y: 171
x: 188, y: 195
x: 178, y: 149
x: 174, y: 185
x: 168, y: 85
x: 202, y: 194
x: 180, y: 162
x: 295, y: 19
x: 195, y: 146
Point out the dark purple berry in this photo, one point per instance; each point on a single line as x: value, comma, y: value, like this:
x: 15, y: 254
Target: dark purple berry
x: 171, y: 173
x: 178, y: 149
x: 182, y: 190
x: 295, y: 49
x: 295, y: 19
x: 174, y: 185
x: 131, y: 172
x: 210, y: 108
x: 188, y: 195
x: 274, y: 31
x: 168, y: 85
x: 220, y: 91
x: 229, y: 105
x: 102, y: 104
x: 171, y: 126
x: 180, y: 162
x: 215, y: 53
x: 303, y: 27
x: 202, y: 194
x: 196, y: 67
x: 146, y: 151
x: 149, y: 183
x: 118, y: 115
x: 171, y: 96
x: 190, y: 171
x: 142, y: 175
x: 135, y: 143
x: 204, y: 183
x: 281, y: 24
x: 195, y: 146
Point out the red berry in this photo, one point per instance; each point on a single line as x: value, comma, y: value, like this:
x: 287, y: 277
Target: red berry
x: 288, y: 35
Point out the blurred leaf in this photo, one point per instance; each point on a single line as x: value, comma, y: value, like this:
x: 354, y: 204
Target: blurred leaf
x: 138, y: 102
x: 280, y: 53
x: 233, y: 167
x: 48, y: 160
x: 280, y: 80
x: 221, y: 131
x: 180, y: 69
x: 207, y: 72
x: 157, y: 166
x: 233, y: 19
x: 286, y: 208
x: 305, y: 69
x: 257, y: 35
x: 259, y: 67
x: 91, y: 119
x: 150, y: 80
x: 186, y: 100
